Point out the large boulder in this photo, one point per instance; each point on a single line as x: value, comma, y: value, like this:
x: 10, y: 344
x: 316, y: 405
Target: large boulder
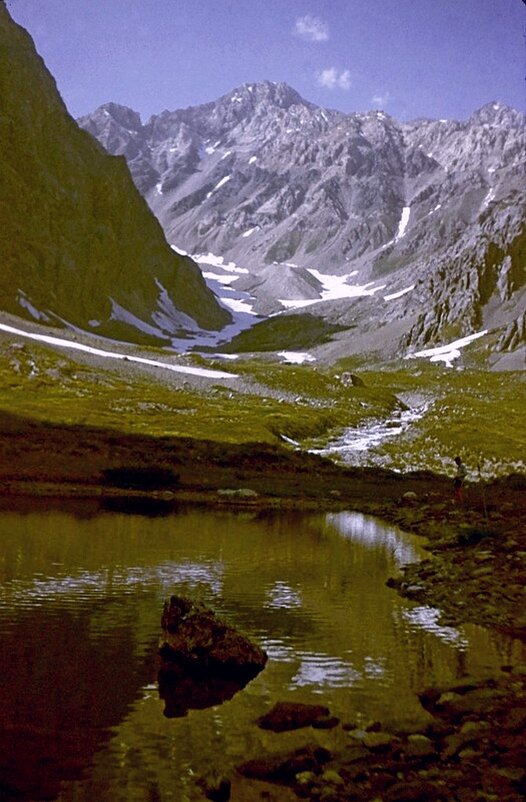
x: 204, y: 660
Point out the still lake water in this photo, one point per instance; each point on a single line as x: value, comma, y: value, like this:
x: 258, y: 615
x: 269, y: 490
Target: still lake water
x: 81, y: 594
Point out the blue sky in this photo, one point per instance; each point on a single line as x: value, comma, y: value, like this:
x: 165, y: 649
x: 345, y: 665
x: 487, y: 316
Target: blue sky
x: 412, y: 58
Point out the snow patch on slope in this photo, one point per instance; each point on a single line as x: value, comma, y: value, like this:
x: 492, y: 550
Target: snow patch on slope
x: 219, y: 185
x: 334, y: 288
x: 398, y: 294
x: 122, y: 315
x: 296, y: 357
x: 402, y: 225
x: 447, y: 353
x: 75, y: 346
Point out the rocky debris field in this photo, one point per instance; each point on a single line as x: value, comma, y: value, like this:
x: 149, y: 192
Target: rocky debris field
x: 476, y: 571
x: 473, y: 750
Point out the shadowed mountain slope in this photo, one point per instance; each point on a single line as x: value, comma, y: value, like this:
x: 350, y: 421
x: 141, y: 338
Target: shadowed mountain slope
x: 78, y: 243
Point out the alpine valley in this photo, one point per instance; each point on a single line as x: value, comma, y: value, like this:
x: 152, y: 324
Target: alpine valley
x: 234, y: 340
x: 405, y: 235
x: 167, y: 279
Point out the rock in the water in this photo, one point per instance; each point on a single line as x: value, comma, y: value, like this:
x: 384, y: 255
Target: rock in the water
x: 192, y: 634
x: 378, y: 741
x: 292, y: 716
x: 409, y: 499
x: 204, y: 660
x: 239, y: 492
x: 284, y: 767
x: 215, y: 787
x: 419, y: 746
x: 415, y: 791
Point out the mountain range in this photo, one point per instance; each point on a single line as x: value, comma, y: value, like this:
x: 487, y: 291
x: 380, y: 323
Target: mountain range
x: 409, y: 234
x: 377, y: 235
x: 79, y: 245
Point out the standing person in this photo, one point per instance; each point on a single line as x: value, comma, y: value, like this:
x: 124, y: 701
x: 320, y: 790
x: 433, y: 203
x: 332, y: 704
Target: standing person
x: 458, y: 482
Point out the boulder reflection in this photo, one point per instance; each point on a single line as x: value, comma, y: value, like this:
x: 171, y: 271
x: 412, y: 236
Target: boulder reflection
x: 183, y: 689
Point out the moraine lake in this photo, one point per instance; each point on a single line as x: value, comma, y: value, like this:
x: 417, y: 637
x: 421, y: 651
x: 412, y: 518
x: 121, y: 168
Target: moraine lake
x: 81, y: 596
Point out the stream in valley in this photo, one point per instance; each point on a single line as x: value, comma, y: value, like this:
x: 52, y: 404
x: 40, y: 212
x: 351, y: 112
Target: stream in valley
x: 354, y: 445
x: 81, y: 595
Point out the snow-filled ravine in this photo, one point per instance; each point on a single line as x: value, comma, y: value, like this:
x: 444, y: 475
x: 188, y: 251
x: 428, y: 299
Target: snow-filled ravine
x: 107, y: 354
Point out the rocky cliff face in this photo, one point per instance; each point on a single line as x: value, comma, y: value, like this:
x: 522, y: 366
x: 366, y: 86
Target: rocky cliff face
x: 430, y: 213
x: 78, y: 243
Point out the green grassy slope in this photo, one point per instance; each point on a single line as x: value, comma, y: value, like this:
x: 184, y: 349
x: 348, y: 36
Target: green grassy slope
x: 476, y: 414
x: 74, y: 231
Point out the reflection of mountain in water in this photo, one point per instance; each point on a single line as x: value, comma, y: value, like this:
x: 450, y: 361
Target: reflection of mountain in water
x: 57, y: 710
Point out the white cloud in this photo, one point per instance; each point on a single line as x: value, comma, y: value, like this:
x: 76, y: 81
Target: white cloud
x: 380, y: 100
x: 311, y: 28
x: 332, y: 78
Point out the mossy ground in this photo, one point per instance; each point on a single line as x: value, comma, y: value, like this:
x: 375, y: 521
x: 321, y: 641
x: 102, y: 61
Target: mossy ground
x: 475, y: 413
x: 294, y: 401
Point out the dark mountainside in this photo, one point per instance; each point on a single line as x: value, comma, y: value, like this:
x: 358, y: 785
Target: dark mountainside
x: 279, y: 185
x: 78, y: 243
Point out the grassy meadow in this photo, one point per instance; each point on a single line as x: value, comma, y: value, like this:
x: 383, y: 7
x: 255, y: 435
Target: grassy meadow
x: 475, y: 413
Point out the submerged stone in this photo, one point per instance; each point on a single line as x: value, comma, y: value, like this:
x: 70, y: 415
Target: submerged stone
x: 292, y: 716
x: 285, y: 767
x: 419, y: 746
x: 215, y: 787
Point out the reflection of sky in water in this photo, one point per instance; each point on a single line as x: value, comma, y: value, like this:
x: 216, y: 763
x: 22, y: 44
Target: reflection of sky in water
x: 121, y: 580
x: 282, y: 595
x: 369, y: 532
x: 425, y: 617
x: 278, y: 650
x: 324, y: 671
x: 374, y: 667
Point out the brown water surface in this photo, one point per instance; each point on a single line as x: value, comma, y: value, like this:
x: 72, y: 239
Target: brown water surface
x: 81, y: 594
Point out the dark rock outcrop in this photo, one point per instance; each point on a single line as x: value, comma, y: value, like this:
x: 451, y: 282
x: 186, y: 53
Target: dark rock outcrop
x: 79, y: 244
x: 204, y: 661
x: 193, y: 634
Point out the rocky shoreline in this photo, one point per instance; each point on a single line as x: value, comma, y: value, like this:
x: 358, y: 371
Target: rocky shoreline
x: 478, y: 565
x: 473, y: 750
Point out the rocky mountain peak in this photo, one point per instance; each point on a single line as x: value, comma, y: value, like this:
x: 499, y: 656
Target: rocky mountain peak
x: 276, y: 94
x: 123, y: 115
x: 422, y: 210
x: 498, y: 114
